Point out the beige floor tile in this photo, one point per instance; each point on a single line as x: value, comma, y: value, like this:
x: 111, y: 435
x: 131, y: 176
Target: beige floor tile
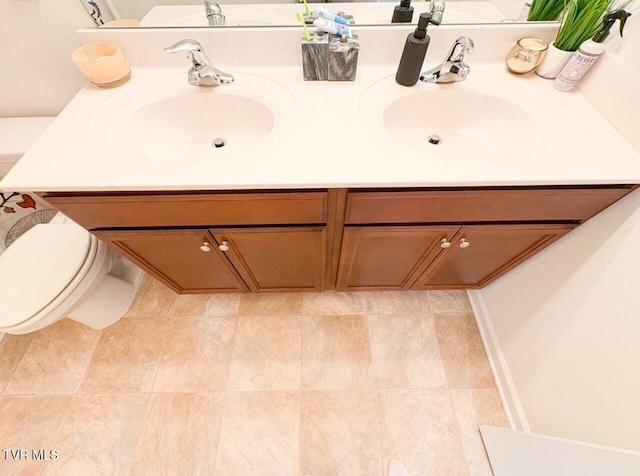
x: 335, y: 352
x: 197, y: 356
x: 180, y: 435
x: 126, y: 357
x: 419, y: 430
x: 12, y: 349
x: 153, y: 299
x: 332, y: 302
x: 99, y: 435
x: 395, y: 302
x: 465, y: 362
x: 448, y: 301
x: 475, y: 407
x: 276, y: 304
x: 56, y: 360
x: 339, y: 434
x: 205, y: 305
x: 30, y: 423
x: 404, y: 352
x: 260, y: 434
x: 267, y: 353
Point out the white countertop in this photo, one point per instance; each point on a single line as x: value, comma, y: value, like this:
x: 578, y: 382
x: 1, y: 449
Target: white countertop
x: 331, y: 144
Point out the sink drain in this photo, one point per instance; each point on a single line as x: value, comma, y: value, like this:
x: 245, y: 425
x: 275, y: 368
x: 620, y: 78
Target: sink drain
x: 434, y: 139
x: 218, y: 142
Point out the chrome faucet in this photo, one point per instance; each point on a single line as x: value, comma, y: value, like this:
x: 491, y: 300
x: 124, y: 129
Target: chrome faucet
x: 202, y: 72
x: 215, y: 17
x: 437, y: 10
x: 453, y: 68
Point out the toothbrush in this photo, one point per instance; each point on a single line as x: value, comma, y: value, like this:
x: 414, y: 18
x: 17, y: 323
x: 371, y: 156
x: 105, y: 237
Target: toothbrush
x: 307, y: 10
x: 307, y: 35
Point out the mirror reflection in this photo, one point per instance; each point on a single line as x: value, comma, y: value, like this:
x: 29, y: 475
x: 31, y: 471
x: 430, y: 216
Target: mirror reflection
x: 223, y: 13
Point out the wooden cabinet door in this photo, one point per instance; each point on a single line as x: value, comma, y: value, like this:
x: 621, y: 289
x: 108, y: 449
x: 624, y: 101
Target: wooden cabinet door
x: 277, y: 259
x: 175, y: 257
x: 487, y: 251
x: 388, y: 257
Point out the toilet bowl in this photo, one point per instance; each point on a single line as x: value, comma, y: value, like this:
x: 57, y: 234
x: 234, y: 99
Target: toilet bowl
x: 58, y: 270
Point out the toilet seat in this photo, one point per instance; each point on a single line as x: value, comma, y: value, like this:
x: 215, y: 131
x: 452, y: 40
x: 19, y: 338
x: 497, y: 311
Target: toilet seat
x: 49, y: 261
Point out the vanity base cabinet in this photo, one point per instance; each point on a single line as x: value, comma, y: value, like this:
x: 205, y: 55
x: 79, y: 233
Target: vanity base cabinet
x: 176, y: 258
x: 348, y: 239
x: 455, y: 238
x: 228, y: 260
x: 388, y: 257
x: 480, y: 253
x: 277, y: 259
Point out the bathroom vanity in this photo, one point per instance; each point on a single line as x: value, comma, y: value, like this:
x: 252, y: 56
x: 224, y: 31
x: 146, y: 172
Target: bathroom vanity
x: 344, y: 239
x: 306, y: 195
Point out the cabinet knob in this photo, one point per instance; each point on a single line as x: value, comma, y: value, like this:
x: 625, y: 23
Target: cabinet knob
x: 206, y: 247
x: 444, y: 243
x: 224, y: 246
x: 464, y: 243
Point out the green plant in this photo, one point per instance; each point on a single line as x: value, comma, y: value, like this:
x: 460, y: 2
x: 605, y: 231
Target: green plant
x: 581, y: 21
x: 546, y: 10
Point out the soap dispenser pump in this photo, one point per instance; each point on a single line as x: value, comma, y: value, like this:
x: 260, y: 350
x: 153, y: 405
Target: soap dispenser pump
x: 415, y: 49
x: 402, y: 13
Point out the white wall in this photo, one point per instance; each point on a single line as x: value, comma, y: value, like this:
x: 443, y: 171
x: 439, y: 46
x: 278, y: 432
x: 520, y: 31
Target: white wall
x: 568, y: 320
x: 38, y: 36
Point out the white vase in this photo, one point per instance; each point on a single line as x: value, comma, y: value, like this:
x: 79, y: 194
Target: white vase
x: 553, y: 62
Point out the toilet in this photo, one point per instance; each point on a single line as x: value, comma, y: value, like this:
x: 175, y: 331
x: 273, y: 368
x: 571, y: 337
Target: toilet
x: 57, y: 270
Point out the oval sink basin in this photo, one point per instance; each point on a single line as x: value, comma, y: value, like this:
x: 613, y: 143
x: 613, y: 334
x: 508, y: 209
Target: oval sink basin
x: 485, y: 116
x: 167, y: 119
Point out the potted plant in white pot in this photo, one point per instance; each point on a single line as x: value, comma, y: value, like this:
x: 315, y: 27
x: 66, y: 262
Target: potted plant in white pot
x: 545, y: 10
x: 580, y: 21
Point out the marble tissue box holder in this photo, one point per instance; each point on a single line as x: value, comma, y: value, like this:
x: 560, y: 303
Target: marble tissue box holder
x: 329, y: 57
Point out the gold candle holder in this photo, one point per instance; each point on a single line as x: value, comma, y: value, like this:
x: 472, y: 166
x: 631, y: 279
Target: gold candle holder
x: 103, y: 63
x: 526, y: 55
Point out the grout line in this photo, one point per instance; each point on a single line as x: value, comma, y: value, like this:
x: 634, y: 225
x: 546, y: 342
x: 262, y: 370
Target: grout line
x: 299, y: 433
x: 300, y: 392
x: 225, y: 393
x: 86, y: 370
x: 13, y: 372
x: 379, y: 421
x: 140, y: 434
x: 460, y: 439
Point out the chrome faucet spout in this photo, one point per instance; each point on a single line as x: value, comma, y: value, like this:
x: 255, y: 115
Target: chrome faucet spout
x: 202, y: 72
x: 437, y: 10
x: 215, y: 17
x: 453, y: 68
x: 462, y: 45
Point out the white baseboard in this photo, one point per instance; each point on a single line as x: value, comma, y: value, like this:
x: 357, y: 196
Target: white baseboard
x: 499, y: 368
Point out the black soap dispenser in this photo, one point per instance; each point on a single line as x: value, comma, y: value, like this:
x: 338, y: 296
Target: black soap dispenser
x: 415, y: 49
x: 402, y: 13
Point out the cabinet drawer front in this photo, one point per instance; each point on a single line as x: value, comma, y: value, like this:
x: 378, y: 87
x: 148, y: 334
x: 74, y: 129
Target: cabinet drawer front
x: 446, y: 206
x: 228, y: 209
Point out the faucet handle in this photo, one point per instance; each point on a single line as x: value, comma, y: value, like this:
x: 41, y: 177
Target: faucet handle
x: 193, y: 49
x: 184, y: 45
x: 468, y: 46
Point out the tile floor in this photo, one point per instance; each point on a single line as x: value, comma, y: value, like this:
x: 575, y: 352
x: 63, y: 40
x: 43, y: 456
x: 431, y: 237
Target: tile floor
x: 277, y: 384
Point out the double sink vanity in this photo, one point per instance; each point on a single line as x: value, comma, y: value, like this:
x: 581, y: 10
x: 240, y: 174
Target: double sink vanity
x: 275, y: 184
